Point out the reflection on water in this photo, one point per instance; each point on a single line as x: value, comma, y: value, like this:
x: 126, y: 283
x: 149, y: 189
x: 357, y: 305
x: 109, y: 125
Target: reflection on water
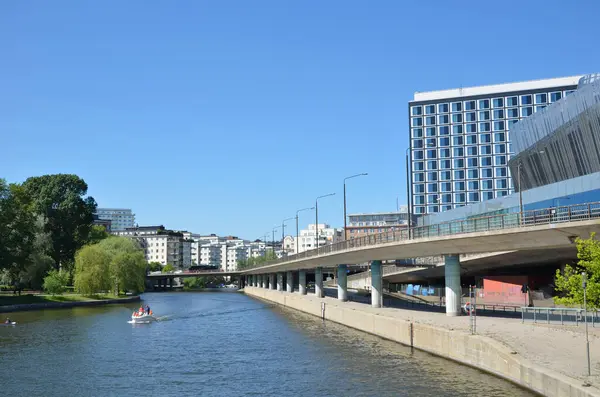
x: 218, y: 344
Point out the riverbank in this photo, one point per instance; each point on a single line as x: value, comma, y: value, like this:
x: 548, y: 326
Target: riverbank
x: 39, y: 302
x: 546, y: 360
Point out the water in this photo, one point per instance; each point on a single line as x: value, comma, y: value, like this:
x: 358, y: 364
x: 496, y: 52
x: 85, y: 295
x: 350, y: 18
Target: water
x: 218, y: 344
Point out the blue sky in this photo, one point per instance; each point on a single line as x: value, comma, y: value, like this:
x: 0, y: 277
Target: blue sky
x: 227, y: 116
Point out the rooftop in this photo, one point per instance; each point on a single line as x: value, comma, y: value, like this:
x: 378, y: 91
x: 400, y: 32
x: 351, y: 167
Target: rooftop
x: 496, y: 88
x: 401, y: 212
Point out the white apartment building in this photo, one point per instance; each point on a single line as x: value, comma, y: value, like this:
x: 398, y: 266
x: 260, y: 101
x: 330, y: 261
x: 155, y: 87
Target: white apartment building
x: 161, y: 245
x: 257, y: 248
x: 210, y: 255
x: 307, y: 239
x: 120, y: 218
x: 225, y: 252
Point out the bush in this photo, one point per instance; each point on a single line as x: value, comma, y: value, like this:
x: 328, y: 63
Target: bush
x: 168, y: 268
x: 55, y: 282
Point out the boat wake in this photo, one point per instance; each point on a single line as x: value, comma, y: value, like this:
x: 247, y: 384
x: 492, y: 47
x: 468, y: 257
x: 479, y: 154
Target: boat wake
x: 198, y: 314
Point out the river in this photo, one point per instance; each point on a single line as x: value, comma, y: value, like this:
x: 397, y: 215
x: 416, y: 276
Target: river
x: 218, y: 344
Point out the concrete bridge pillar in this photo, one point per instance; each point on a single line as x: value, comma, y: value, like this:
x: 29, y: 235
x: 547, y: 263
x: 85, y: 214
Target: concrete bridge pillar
x: 289, y: 281
x: 319, y: 282
x: 279, y: 281
x: 376, y: 284
x: 302, y: 282
x: 272, y: 281
x: 342, y: 282
x: 170, y: 283
x: 453, y: 290
x: 264, y: 280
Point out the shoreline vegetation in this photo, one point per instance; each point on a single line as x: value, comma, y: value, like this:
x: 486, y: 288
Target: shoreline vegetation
x: 13, y: 303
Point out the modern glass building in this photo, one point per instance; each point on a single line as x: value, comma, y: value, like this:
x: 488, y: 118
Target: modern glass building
x: 556, y: 157
x: 120, y: 218
x: 560, y: 143
x: 461, y: 143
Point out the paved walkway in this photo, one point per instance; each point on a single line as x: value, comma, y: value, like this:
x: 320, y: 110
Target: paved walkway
x: 560, y: 348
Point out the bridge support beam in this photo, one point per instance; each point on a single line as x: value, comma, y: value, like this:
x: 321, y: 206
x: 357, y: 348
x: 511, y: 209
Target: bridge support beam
x: 376, y: 284
x: 279, y: 281
x: 302, y: 282
x: 453, y: 290
x: 264, y: 280
x: 319, y: 282
x: 289, y: 282
x: 272, y: 281
x: 342, y: 282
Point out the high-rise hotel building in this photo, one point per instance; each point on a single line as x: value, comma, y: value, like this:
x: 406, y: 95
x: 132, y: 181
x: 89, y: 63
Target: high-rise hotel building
x: 460, y: 141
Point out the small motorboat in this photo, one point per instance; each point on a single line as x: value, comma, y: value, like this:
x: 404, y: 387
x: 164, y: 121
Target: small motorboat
x: 142, y: 318
x: 9, y: 323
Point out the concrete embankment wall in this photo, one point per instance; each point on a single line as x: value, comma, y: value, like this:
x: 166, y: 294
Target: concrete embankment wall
x: 62, y: 305
x: 474, y: 350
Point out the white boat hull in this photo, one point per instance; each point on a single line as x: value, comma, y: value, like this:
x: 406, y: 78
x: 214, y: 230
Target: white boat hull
x: 144, y: 319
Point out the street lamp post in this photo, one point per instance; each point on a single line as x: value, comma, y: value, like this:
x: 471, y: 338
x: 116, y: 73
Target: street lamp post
x: 587, y: 340
x: 317, y: 216
x: 297, y: 231
x: 283, y: 233
x: 349, y: 177
x: 273, y: 241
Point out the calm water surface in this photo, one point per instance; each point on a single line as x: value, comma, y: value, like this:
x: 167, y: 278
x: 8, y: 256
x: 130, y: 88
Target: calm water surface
x: 218, y: 344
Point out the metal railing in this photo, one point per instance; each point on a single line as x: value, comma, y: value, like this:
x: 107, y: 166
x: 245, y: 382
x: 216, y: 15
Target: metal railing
x: 559, y: 315
x: 512, y: 220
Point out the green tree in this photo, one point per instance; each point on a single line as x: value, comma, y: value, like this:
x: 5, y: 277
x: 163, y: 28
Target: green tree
x: 92, y: 270
x: 55, y: 282
x: 154, y: 266
x: 120, y: 259
x: 568, y: 283
x: 97, y: 234
x: 193, y: 282
x: 17, y: 227
x: 128, y: 271
x: 168, y: 268
x: 69, y: 215
x: 202, y: 282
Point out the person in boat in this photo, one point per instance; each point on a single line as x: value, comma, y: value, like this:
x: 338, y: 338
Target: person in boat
x: 147, y: 310
x: 8, y: 321
x: 141, y: 311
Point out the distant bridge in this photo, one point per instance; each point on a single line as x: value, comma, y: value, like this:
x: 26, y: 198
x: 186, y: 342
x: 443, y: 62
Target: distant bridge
x: 201, y: 273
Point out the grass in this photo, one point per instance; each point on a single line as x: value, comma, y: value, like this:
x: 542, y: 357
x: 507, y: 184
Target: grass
x: 6, y: 300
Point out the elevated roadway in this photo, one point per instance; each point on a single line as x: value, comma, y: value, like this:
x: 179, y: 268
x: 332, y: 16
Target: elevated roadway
x: 553, y: 229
